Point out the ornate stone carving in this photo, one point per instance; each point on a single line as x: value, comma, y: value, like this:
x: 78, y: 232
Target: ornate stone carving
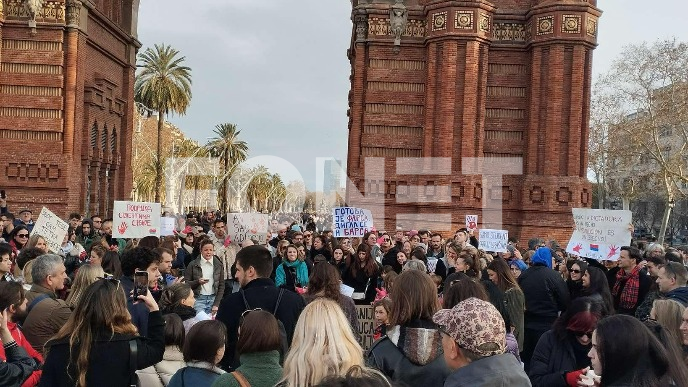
x: 33, y: 7
x: 50, y: 10
x: 484, y: 22
x: 545, y: 25
x: 571, y: 24
x: 398, y: 20
x: 73, y: 13
x: 439, y: 21
x: 509, y: 32
x: 463, y: 20
x: 361, y: 22
x: 591, y: 28
x: 381, y: 27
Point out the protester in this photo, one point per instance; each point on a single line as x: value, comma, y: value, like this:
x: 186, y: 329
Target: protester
x: 474, y: 344
x: 669, y: 313
x: 632, y: 282
x: 25, y: 219
x: 18, y: 238
x: 674, y: 348
x: 6, y: 263
x: 543, y: 303
x: 258, y: 348
x: 500, y: 275
x: 339, y: 259
x: 116, y: 244
x: 356, y: 377
x: 206, y: 277
x: 362, y: 275
x: 87, y: 275
x: 672, y: 278
x: 576, y: 269
x: 94, y: 347
x: 292, y: 273
x: 204, y: 347
x: 13, y: 300
x: 382, y: 309
x: 46, y: 312
x: 625, y: 353
x: 517, y: 267
x: 159, y: 375
x: 560, y: 357
x: 133, y: 260
x: 179, y: 299
x: 325, y: 283
x: 411, y: 350
x: 595, y: 285
x: 323, y: 345
x: 253, y: 269
x: 112, y: 265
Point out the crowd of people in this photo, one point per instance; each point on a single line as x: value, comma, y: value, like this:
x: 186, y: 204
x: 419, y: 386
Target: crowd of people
x: 215, y: 312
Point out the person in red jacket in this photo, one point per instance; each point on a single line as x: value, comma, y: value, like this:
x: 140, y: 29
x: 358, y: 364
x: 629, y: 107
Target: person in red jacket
x: 13, y: 299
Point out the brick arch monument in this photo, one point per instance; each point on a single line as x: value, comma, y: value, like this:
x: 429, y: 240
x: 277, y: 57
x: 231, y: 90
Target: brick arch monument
x: 464, y: 80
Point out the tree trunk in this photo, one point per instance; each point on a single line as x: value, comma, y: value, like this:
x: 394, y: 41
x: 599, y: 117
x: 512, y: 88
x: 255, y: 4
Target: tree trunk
x: 158, y: 163
x: 665, y: 222
x: 225, y: 183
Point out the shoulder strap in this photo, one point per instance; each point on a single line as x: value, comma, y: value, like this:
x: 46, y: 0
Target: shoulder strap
x: 244, y: 297
x: 243, y: 382
x: 279, y: 298
x: 36, y: 301
x: 133, y: 353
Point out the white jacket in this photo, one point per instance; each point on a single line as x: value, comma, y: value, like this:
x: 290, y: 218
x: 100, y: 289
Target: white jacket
x: 160, y: 374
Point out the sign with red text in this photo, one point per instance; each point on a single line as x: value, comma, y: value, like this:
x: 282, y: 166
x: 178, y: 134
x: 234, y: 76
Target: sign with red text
x: 471, y: 222
x: 51, y: 228
x: 135, y: 219
x: 599, y: 234
x: 351, y: 222
x: 247, y: 226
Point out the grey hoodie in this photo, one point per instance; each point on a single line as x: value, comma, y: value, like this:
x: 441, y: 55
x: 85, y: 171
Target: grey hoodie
x: 493, y: 371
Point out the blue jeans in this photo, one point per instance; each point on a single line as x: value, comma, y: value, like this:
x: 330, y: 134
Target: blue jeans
x: 204, y: 303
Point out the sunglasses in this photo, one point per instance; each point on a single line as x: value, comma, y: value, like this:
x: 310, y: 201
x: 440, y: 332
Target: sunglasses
x: 22, y: 235
x: 575, y: 271
x: 97, y: 221
x: 111, y: 280
x: 581, y: 334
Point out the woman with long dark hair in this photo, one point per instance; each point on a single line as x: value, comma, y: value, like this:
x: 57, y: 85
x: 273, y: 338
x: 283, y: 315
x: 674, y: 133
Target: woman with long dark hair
x: 93, y: 348
x: 179, y: 299
x: 362, y: 275
x: 500, y: 274
x: 560, y: 357
x: 19, y: 237
x: 595, y: 285
x: 576, y: 269
x: 321, y: 247
x: 324, y: 282
x: 339, y: 258
x: 625, y: 353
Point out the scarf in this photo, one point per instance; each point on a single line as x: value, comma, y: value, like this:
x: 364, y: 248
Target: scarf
x: 629, y: 294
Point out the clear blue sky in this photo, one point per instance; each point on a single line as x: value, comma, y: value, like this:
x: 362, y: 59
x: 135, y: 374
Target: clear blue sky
x: 278, y: 69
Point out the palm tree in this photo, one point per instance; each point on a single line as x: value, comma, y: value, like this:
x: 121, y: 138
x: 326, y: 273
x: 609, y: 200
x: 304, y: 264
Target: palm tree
x: 164, y: 85
x: 231, y: 151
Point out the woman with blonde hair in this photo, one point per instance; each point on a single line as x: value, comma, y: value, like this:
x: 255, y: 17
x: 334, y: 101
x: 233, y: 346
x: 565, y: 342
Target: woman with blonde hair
x: 323, y: 345
x: 86, y: 275
x: 94, y: 347
x: 38, y: 241
x: 669, y: 313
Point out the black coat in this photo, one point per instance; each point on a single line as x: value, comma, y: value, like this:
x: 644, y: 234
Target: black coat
x: 551, y: 359
x: 18, y: 367
x: 260, y: 293
x: 139, y: 311
x: 390, y: 259
x: 108, y: 363
x: 644, y: 288
x: 546, y: 295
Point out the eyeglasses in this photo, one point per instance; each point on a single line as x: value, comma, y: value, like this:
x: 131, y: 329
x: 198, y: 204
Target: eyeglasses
x: 581, y: 334
x: 575, y: 271
x: 111, y: 280
x: 22, y: 235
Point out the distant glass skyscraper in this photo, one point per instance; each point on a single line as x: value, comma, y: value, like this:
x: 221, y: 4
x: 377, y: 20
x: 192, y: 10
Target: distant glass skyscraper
x: 332, y: 181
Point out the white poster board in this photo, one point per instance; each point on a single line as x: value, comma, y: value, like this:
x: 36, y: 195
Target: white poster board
x: 51, y: 228
x: 493, y: 240
x: 351, y: 222
x: 135, y: 219
x: 599, y: 234
x: 167, y: 225
x: 247, y: 226
x: 471, y: 222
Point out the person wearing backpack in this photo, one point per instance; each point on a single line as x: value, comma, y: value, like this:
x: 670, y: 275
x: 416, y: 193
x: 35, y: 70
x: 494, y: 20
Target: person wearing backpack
x: 258, y: 291
x: 293, y: 272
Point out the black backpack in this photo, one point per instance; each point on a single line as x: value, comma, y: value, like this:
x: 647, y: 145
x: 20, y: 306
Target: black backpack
x: 282, y: 331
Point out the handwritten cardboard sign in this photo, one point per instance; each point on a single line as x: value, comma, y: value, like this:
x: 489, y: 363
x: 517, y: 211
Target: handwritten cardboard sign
x: 599, y: 234
x: 51, y: 228
x: 351, y: 221
x: 366, y: 325
x: 247, y: 226
x: 135, y: 219
x: 472, y: 222
x: 493, y: 240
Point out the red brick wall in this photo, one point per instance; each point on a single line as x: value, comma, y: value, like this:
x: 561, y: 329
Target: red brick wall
x: 56, y: 82
x: 509, y: 78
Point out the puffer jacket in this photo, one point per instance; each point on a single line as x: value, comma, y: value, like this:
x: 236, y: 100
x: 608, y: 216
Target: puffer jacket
x: 411, y: 354
x: 159, y: 375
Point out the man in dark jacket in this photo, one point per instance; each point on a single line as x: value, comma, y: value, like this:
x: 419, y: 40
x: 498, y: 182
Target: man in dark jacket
x: 474, y: 345
x: 632, y: 282
x: 253, y: 269
x: 671, y: 280
x: 546, y: 295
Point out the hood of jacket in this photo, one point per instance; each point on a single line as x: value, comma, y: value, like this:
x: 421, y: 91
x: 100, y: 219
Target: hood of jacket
x: 498, y: 370
x: 543, y: 256
x: 420, y: 343
x: 679, y: 294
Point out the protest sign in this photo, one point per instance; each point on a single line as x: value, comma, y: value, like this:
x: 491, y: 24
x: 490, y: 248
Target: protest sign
x: 471, y: 222
x: 51, y: 228
x: 493, y: 240
x: 351, y: 221
x: 135, y: 219
x: 599, y: 234
x: 366, y: 325
x: 247, y: 226
x: 167, y: 226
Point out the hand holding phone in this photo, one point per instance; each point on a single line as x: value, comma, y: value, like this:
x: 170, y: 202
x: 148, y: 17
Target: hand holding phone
x: 140, y: 284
